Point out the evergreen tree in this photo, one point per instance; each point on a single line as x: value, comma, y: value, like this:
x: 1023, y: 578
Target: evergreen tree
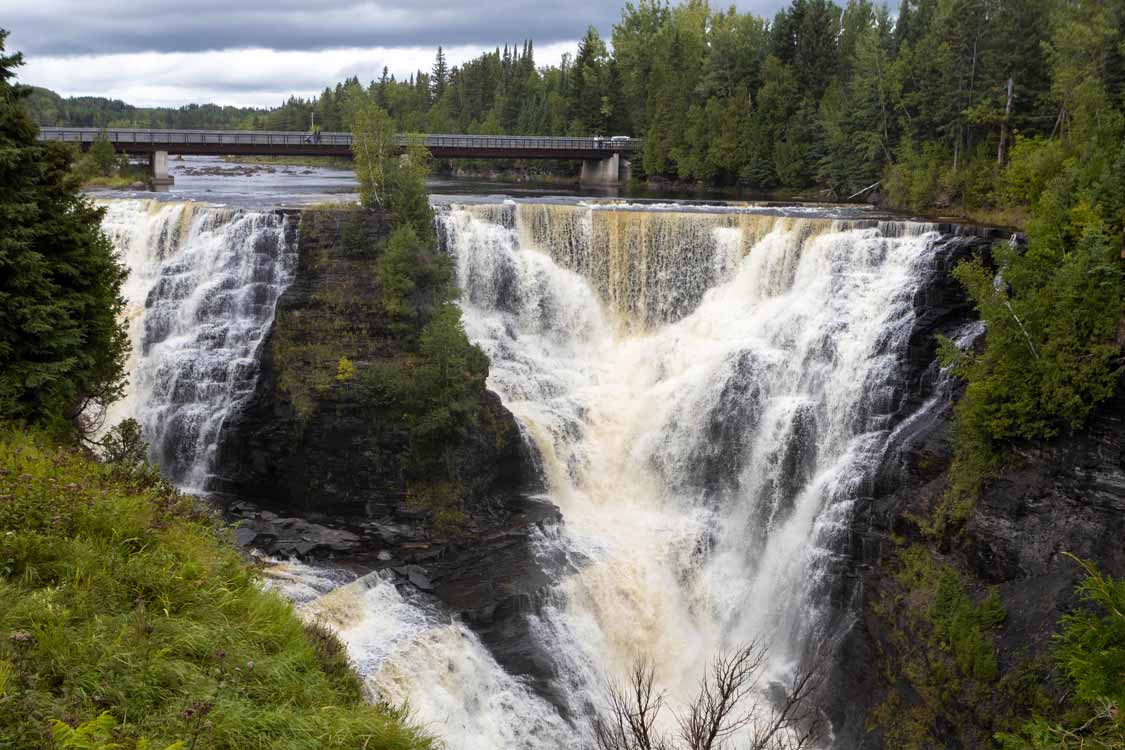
x: 440, y: 76
x: 62, y: 348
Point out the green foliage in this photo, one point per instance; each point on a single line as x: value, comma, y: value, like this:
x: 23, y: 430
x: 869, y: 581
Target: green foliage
x: 413, y: 278
x: 1051, y: 356
x: 1090, y: 649
x: 390, y: 178
x: 1091, y: 646
x: 442, y: 499
x: 97, y: 734
x: 379, y: 333
x: 374, y: 149
x: 122, y: 599
x: 408, y: 201
x: 448, y: 382
x: 1052, y: 353
x: 124, y: 445
x: 345, y: 370
x: 942, y: 674
x: 61, y: 343
x: 1034, y: 162
x: 102, y: 154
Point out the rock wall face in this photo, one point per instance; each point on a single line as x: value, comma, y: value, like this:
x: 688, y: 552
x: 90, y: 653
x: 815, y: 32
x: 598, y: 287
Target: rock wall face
x: 1065, y: 496
x: 310, y: 441
x: 313, y: 466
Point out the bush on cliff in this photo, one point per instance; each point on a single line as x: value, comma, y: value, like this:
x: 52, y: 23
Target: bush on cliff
x: 388, y: 180
x: 430, y: 383
x: 414, y: 279
x: 1090, y: 650
x: 129, y: 620
x: 61, y: 342
x: 1056, y: 313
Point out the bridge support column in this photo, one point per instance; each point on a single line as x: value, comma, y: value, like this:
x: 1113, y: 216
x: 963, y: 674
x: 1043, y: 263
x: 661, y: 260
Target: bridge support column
x: 610, y: 172
x: 158, y: 164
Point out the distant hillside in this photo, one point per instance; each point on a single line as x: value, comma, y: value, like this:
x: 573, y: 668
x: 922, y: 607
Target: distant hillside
x: 51, y: 109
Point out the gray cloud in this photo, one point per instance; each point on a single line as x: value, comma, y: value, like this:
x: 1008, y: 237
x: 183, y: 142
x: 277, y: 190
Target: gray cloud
x: 257, y: 52
x: 83, y: 27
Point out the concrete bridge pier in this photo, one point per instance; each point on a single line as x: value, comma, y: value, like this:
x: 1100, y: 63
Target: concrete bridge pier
x: 609, y: 172
x: 158, y: 166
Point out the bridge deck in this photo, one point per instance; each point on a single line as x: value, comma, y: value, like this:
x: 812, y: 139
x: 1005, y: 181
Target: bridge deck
x: 282, y: 143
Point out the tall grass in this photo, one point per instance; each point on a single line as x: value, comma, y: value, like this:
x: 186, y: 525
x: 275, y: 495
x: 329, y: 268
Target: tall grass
x: 121, y: 597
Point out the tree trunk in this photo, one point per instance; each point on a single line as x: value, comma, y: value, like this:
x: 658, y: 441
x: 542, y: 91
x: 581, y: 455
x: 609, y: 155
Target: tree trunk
x: 1004, y: 125
x: 972, y: 86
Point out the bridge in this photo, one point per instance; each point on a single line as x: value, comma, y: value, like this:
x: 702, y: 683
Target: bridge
x: 604, y: 160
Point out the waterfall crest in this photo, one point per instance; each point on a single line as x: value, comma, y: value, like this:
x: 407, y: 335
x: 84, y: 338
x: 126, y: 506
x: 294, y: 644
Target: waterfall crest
x: 203, y: 284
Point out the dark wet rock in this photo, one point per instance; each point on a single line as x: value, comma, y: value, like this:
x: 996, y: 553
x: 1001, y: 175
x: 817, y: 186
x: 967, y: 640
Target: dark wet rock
x: 294, y: 537
x: 326, y: 481
x: 1067, y: 495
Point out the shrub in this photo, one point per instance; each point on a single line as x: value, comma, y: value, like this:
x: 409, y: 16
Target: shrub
x: 102, y: 154
x: 345, y: 370
x: 1090, y: 650
x: 942, y: 673
x: 413, y: 278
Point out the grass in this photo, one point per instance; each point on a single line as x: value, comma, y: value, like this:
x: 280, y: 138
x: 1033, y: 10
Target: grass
x: 112, y: 181
x: 128, y: 617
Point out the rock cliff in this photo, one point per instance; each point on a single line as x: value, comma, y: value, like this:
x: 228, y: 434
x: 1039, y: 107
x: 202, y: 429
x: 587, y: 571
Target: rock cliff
x: 313, y: 467
x: 1064, y: 496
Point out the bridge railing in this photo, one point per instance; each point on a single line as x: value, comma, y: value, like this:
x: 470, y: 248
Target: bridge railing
x: 171, y: 137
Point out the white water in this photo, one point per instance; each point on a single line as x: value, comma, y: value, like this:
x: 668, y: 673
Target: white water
x: 708, y: 394
x: 202, y: 287
x: 705, y: 452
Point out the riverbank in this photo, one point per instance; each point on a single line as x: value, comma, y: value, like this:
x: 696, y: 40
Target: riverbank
x: 130, y: 618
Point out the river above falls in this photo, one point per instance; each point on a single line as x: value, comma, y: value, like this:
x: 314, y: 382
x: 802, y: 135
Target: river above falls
x: 217, y: 181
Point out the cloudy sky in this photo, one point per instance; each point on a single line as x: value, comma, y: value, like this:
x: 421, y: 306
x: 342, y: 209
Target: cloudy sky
x: 258, y: 52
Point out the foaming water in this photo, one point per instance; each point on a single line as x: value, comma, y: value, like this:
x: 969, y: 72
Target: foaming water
x: 709, y: 394
x: 202, y: 288
x: 410, y: 653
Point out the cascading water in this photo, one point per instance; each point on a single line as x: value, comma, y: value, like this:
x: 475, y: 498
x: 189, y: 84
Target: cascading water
x: 203, y: 284
x: 708, y: 394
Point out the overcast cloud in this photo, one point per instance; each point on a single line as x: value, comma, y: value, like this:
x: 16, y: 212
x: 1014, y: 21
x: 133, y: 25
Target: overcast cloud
x: 258, y: 52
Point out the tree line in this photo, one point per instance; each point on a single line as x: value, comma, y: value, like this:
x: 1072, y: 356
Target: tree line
x: 826, y: 96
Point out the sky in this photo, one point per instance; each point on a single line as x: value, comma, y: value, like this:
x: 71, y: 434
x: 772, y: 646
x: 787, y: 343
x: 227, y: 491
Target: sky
x: 259, y: 52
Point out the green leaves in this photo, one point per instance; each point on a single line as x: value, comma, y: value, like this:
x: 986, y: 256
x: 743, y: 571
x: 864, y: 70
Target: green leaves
x: 127, y: 616
x: 1090, y: 651
x: 61, y: 342
x: 1051, y: 354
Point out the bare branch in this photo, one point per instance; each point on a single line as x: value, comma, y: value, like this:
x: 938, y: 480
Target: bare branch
x: 633, y: 710
x: 730, y: 704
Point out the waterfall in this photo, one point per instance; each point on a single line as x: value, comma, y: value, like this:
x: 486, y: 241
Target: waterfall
x: 708, y: 393
x: 203, y: 284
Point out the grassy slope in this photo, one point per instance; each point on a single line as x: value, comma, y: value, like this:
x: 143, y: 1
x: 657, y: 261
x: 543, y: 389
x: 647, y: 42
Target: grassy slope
x: 119, y: 596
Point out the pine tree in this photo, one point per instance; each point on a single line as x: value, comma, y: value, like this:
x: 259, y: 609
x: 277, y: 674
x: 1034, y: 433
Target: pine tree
x: 62, y: 348
x: 440, y: 76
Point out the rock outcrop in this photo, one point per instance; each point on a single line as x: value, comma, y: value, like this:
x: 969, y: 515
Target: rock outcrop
x: 1065, y: 496
x: 313, y: 467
